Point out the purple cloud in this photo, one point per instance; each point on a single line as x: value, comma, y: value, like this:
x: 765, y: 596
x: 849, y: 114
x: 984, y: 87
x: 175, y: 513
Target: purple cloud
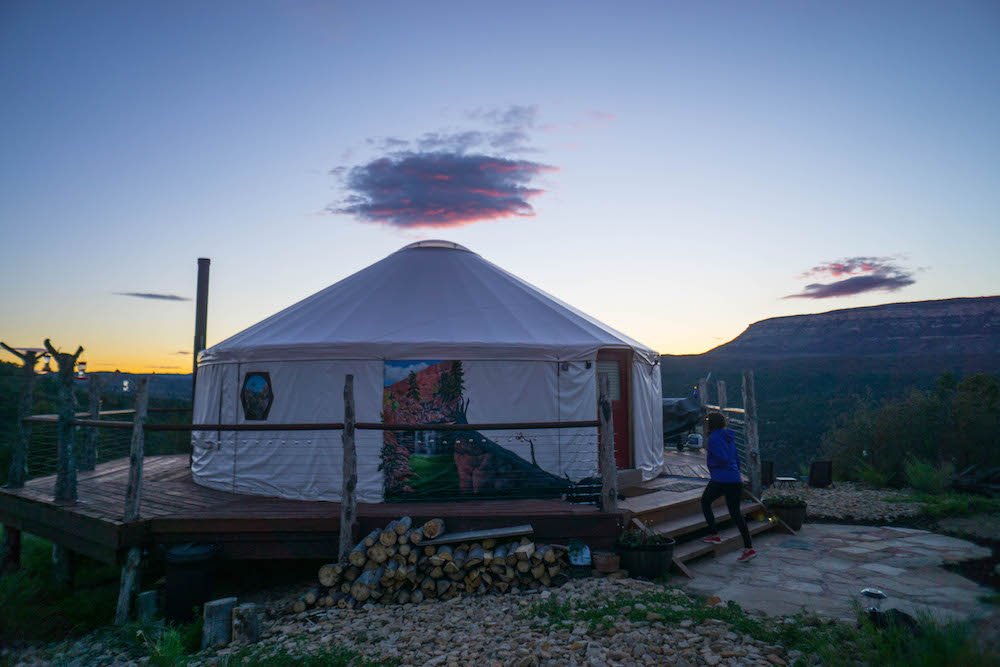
x: 447, y: 178
x: 439, y: 189
x: 856, y: 275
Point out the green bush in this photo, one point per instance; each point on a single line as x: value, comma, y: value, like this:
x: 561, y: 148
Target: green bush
x: 957, y: 423
x: 928, y: 478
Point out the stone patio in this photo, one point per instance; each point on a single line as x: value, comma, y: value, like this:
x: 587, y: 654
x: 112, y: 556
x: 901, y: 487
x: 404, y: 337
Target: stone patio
x: 823, y: 568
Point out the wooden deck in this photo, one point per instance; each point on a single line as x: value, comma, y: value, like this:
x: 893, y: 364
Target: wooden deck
x: 175, y: 509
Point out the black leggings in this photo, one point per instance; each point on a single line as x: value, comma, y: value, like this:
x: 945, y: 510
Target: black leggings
x: 733, y: 491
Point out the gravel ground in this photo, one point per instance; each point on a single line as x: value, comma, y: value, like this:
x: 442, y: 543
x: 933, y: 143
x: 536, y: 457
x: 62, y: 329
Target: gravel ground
x: 847, y: 501
x: 490, y: 630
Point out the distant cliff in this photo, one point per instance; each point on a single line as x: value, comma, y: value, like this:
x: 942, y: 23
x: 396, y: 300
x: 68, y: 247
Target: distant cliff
x: 812, y: 368
x: 949, y: 326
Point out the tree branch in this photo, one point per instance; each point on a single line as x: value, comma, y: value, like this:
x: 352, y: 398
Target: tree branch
x: 17, y: 354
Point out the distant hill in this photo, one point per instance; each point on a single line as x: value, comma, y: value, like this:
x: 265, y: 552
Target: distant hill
x: 948, y: 326
x: 812, y: 368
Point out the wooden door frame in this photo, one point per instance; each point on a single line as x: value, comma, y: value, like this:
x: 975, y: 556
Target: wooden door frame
x: 625, y: 357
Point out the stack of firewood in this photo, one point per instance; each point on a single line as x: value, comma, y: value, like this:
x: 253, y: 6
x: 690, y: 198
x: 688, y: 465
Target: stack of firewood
x: 401, y: 564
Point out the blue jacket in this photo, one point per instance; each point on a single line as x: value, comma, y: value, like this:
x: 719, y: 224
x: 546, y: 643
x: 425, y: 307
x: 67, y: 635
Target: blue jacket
x: 723, y: 459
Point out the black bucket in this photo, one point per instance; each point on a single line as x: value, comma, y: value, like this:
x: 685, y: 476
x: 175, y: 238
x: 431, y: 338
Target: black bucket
x: 190, y: 570
x: 646, y: 562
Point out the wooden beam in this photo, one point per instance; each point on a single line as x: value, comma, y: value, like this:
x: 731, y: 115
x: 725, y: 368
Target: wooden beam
x: 606, y: 448
x: 348, y: 497
x: 720, y: 388
x: 751, y: 433
x: 480, y: 535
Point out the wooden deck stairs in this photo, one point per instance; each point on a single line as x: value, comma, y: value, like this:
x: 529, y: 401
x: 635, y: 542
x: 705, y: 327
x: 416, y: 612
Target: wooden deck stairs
x: 678, y: 515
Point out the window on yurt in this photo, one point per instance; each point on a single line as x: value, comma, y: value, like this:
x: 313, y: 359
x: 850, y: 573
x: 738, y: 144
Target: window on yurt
x: 610, y: 369
x: 256, y: 396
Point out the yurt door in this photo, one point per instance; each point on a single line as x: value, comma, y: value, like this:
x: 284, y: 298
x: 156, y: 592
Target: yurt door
x: 614, y: 365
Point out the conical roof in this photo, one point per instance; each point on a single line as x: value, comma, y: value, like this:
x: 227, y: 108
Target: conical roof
x: 429, y: 300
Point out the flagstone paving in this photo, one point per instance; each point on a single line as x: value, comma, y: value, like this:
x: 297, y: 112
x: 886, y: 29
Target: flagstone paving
x: 823, y: 568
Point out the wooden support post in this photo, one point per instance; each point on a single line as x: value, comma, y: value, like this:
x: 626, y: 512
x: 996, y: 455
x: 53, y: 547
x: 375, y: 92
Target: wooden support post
x: 606, y: 448
x: 65, y: 490
x: 703, y: 391
x: 10, y: 548
x: 752, y: 437
x: 720, y: 388
x: 63, y: 565
x: 133, y: 492
x: 88, y: 453
x: 348, y: 496
x: 133, y: 502
x: 11, y: 560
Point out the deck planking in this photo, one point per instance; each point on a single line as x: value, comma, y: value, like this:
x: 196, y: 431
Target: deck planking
x: 176, y: 509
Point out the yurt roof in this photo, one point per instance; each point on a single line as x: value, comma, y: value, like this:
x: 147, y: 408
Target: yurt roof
x: 429, y: 300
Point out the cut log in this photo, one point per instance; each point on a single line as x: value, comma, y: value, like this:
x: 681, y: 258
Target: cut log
x: 359, y: 553
x: 298, y: 607
x: 537, y: 571
x: 247, y: 623
x: 352, y: 573
x: 311, y: 596
x: 378, y: 553
x: 524, y: 551
x: 475, y: 557
x: 330, y: 574
x: 433, y: 528
x: 415, y: 536
x: 371, y: 538
x: 442, y: 586
x: 389, y: 536
x: 404, y: 548
x: 523, y: 566
x: 445, y: 552
x: 362, y: 588
x: 436, y: 573
x: 403, y: 525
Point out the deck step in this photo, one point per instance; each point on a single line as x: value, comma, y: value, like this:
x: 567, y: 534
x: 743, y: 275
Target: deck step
x: 696, y: 521
x: 730, y: 541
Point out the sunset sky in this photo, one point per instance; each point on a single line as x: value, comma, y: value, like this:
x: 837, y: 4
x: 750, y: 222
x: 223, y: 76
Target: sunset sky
x: 678, y: 170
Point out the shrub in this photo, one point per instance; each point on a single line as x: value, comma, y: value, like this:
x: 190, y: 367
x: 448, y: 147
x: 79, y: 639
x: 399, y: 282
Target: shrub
x: 785, y: 501
x: 927, y: 478
x: 633, y: 537
x: 957, y: 422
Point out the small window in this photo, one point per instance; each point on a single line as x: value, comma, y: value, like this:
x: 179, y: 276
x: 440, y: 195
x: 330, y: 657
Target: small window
x: 610, y: 368
x: 256, y: 395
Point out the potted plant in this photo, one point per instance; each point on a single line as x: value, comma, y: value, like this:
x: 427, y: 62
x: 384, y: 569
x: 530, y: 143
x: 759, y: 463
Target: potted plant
x: 789, y: 508
x: 644, y: 553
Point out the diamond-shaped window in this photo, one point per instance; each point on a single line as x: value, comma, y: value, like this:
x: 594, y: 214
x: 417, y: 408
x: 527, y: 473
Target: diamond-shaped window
x: 256, y: 395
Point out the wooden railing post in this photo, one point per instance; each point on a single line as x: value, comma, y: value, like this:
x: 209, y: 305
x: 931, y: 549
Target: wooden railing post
x: 348, y: 496
x: 88, y: 453
x: 133, y: 501
x: 606, y: 448
x: 703, y: 391
x: 65, y: 489
x: 720, y: 388
x: 10, y: 548
x: 752, y: 436
x: 18, y: 471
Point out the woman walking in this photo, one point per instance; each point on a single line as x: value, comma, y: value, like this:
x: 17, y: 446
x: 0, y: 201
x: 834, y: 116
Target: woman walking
x: 724, y: 467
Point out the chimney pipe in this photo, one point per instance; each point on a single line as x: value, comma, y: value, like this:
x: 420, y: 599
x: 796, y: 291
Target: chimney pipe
x: 200, y: 319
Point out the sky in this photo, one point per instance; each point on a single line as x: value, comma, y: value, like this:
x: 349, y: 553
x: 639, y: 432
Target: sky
x: 677, y: 170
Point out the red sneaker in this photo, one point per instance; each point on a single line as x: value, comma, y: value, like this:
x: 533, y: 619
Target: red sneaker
x: 712, y: 539
x: 747, y: 555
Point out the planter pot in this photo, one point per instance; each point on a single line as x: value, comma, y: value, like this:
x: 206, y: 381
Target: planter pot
x: 793, y: 516
x: 606, y: 561
x: 646, y: 562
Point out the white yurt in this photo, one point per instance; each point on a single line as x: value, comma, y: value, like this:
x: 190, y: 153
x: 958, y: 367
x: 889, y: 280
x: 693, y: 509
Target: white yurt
x: 433, y: 333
